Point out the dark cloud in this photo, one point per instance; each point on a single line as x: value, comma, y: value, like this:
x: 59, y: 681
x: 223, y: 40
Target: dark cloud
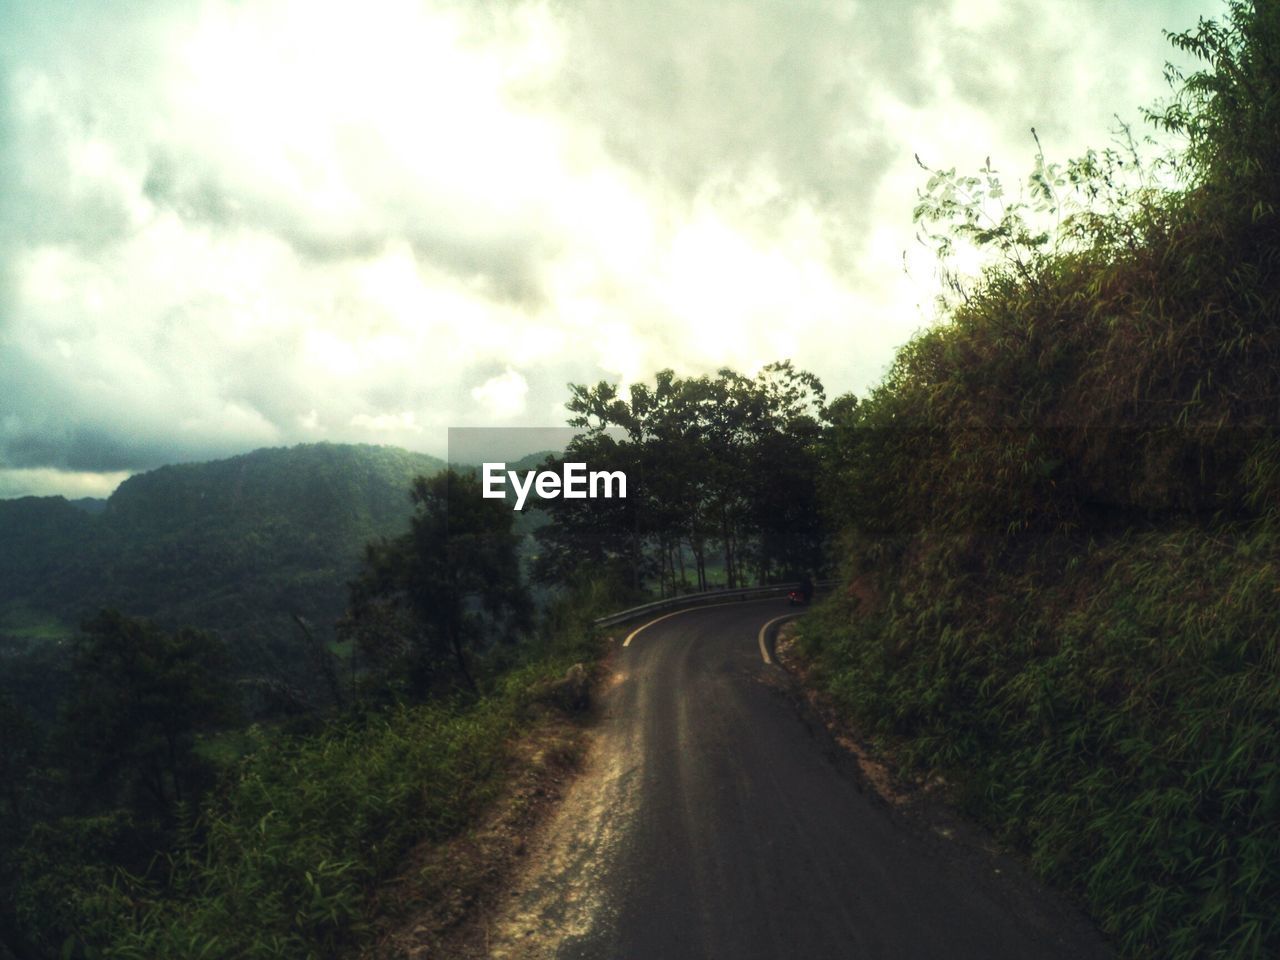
x: 80, y: 448
x: 507, y: 265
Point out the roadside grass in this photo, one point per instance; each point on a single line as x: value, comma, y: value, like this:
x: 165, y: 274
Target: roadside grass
x: 285, y: 859
x: 1113, y: 716
x: 1062, y: 521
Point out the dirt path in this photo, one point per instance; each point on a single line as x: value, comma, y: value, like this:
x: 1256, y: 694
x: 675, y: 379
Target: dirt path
x: 563, y: 892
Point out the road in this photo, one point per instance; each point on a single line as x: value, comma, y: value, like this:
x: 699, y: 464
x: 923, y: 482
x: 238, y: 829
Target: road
x: 716, y: 819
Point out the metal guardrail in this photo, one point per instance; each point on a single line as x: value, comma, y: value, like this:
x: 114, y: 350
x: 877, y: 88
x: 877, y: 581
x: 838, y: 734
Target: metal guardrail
x: 723, y: 595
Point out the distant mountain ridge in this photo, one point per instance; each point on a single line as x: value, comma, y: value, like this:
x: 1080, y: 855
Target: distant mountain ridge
x: 237, y: 546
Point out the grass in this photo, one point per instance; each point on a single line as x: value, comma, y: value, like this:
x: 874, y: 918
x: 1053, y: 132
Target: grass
x: 1117, y: 721
x: 1062, y: 529
x: 286, y: 858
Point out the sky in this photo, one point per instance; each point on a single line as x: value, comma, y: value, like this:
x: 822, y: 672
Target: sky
x: 232, y: 224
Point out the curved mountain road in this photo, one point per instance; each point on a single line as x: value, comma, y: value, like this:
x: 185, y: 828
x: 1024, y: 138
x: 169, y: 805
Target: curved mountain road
x: 715, y: 819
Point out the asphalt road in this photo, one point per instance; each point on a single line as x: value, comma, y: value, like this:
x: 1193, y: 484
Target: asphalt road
x: 725, y: 823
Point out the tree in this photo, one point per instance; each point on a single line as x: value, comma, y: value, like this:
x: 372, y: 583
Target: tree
x: 1230, y: 113
x: 727, y: 461
x: 19, y: 746
x: 139, y: 698
x: 587, y: 538
x: 453, y: 580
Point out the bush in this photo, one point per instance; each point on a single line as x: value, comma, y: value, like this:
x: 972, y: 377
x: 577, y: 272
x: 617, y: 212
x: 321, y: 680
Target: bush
x: 280, y: 864
x: 1061, y: 509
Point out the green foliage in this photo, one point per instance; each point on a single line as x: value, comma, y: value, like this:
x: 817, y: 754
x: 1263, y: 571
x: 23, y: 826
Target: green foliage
x: 1114, y: 713
x: 236, y: 546
x: 19, y: 747
x: 118, y: 772
x: 282, y: 861
x: 119, y: 842
x: 723, y: 464
x: 449, y: 586
x: 1061, y: 514
x: 140, y: 696
x: 61, y: 871
x: 1230, y: 112
x: 281, y: 857
x: 567, y: 632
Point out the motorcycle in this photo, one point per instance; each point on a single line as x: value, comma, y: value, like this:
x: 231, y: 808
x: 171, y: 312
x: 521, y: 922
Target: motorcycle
x: 802, y: 594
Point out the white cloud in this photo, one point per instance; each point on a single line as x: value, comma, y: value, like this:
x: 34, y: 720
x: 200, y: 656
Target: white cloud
x: 71, y: 484
x: 290, y: 220
x: 406, y: 420
x: 503, y: 396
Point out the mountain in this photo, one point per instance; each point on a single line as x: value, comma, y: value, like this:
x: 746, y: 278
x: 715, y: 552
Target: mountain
x: 237, y: 546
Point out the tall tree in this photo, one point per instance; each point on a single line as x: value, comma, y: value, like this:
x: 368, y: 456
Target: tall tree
x: 727, y: 461
x: 140, y: 697
x: 601, y: 536
x: 18, y: 749
x: 454, y: 576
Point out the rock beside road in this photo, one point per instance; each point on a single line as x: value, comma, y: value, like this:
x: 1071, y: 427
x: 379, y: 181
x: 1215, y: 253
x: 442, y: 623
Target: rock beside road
x: 572, y: 692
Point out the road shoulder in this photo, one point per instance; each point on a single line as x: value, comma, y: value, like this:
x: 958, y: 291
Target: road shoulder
x: 923, y: 806
x: 442, y: 901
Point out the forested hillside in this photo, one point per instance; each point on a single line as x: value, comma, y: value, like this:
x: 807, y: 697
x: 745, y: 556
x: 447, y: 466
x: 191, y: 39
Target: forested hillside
x: 146, y: 815
x: 237, y: 546
x: 1062, y: 510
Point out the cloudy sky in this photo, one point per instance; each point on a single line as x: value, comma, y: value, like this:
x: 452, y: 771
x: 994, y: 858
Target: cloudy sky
x: 241, y: 223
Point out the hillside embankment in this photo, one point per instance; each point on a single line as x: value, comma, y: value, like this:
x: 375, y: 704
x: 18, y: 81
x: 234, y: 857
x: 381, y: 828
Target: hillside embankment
x: 1062, y: 515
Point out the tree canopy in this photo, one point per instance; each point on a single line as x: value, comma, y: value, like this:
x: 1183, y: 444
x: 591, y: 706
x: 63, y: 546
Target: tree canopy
x: 447, y: 588
x: 722, y: 479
